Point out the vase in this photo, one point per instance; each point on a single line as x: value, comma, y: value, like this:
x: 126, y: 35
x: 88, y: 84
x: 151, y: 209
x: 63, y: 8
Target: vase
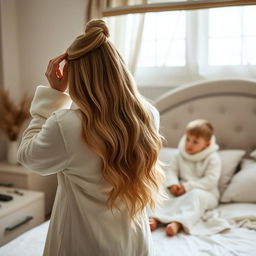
x: 12, y: 148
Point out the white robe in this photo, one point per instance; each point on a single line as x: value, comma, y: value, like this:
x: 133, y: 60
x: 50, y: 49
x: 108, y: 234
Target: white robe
x: 81, y: 223
x: 199, y: 174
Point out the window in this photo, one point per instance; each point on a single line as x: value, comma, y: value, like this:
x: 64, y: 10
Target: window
x: 232, y: 36
x: 164, y: 40
x: 182, y: 46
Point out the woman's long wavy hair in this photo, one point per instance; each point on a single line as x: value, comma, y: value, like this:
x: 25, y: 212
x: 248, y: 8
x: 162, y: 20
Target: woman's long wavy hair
x: 116, y: 120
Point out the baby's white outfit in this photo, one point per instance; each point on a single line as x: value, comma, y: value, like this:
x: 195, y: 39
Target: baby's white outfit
x: 199, y: 174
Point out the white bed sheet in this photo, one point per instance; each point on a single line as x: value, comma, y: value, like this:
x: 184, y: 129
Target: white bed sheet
x: 235, y: 242
x: 238, y: 241
x: 30, y: 243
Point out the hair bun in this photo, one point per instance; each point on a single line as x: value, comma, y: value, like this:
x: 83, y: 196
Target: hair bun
x: 97, y: 26
x: 96, y: 34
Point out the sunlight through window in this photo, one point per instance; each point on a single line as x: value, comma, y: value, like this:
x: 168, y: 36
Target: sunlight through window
x: 164, y: 40
x: 232, y: 36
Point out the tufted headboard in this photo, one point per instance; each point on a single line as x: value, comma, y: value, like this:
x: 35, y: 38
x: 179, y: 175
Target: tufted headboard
x: 229, y: 104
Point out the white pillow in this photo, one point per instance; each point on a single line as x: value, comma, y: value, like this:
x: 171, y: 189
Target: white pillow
x: 247, y: 162
x: 253, y: 154
x: 243, y: 185
x: 230, y: 160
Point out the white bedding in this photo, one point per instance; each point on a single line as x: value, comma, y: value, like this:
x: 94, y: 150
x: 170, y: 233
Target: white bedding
x: 237, y: 241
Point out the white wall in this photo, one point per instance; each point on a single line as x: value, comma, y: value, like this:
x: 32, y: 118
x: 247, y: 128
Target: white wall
x: 45, y: 29
x: 153, y: 92
x: 9, y: 48
x: 33, y: 32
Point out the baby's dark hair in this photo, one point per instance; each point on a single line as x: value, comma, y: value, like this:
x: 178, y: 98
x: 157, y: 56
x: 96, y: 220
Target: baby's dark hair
x: 200, y: 128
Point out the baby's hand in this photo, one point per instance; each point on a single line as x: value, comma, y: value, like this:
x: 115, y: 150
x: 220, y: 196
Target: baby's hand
x: 173, y: 189
x: 181, y: 190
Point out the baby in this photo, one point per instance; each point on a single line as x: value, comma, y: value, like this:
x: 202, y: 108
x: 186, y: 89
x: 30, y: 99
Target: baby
x: 192, y: 180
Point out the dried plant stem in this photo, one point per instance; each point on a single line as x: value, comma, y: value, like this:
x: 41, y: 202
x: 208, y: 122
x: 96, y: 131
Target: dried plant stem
x: 12, y: 116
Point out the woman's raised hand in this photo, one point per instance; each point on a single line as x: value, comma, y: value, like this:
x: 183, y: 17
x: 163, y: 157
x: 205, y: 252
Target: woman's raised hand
x: 58, y: 80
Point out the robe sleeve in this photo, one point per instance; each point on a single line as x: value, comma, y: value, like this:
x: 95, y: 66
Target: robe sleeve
x: 42, y: 148
x: 172, y: 172
x: 210, y: 178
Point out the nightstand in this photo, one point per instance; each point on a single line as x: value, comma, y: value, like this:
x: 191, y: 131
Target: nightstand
x: 23, y: 212
x: 20, y: 177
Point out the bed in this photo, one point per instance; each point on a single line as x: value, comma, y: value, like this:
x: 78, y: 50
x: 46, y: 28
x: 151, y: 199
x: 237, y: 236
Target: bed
x: 231, y: 106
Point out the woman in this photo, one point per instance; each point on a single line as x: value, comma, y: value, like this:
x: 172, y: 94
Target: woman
x: 104, y: 151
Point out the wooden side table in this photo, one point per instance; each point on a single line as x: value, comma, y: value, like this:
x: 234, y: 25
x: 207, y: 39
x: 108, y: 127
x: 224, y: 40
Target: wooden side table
x: 23, y: 212
x: 20, y: 177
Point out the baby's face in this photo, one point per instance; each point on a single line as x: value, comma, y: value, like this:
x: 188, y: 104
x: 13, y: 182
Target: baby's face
x: 195, y: 144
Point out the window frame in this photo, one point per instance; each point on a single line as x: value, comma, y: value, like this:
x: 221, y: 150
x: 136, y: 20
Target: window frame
x: 197, y: 55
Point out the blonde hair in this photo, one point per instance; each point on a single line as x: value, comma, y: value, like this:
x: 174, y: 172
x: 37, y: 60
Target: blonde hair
x: 200, y: 128
x: 116, y: 121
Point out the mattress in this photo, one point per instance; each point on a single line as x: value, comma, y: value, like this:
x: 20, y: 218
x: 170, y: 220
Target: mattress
x: 238, y: 240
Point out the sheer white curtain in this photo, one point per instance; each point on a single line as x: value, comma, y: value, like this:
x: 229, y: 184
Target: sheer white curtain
x: 163, y: 50
x: 172, y: 48
x: 228, y: 42
x: 126, y: 33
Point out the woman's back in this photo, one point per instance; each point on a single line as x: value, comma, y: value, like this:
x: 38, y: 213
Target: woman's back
x: 81, y: 222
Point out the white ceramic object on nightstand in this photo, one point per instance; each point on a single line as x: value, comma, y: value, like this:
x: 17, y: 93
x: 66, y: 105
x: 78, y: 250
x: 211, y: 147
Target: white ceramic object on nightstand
x: 12, y: 147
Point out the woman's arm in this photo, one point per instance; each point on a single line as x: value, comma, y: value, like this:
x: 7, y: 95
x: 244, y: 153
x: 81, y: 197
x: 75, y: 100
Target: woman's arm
x: 42, y: 148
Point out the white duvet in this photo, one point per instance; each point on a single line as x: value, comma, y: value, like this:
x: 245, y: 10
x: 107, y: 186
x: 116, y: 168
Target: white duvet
x: 239, y: 238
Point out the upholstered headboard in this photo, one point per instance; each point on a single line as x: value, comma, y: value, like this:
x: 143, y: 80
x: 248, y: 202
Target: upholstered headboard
x: 229, y: 104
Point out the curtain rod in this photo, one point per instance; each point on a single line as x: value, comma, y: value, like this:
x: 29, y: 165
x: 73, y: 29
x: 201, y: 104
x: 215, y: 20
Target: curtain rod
x: 174, y: 6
